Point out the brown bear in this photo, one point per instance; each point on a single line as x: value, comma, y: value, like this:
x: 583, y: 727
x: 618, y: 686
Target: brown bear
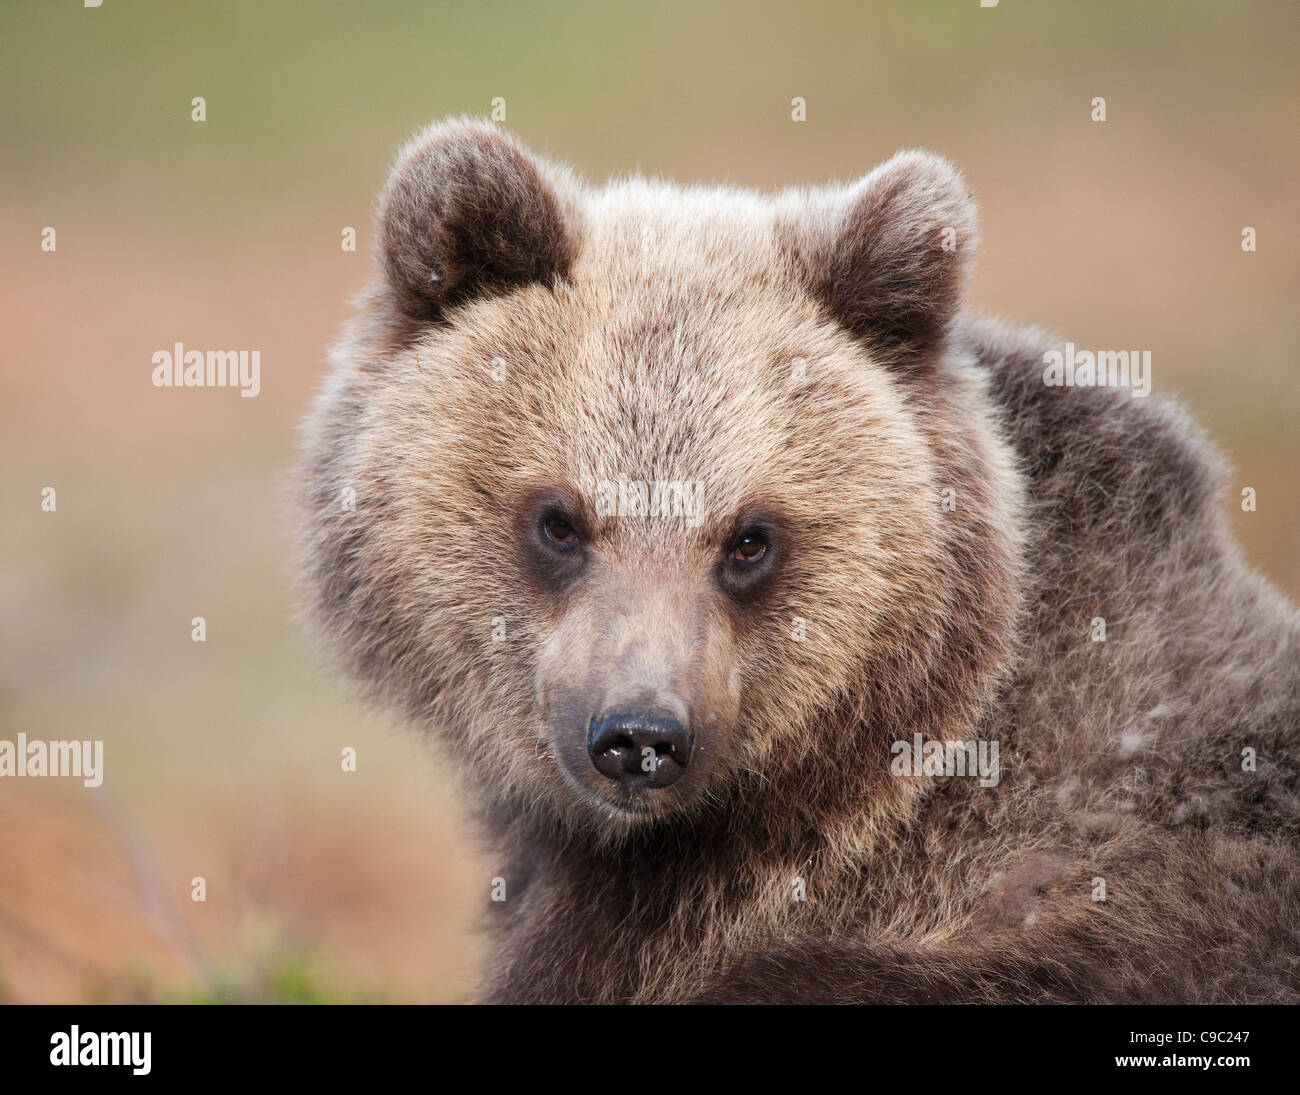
x: 798, y: 637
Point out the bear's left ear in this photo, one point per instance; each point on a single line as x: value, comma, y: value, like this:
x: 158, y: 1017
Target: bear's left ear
x: 889, y: 255
x: 467, y: 213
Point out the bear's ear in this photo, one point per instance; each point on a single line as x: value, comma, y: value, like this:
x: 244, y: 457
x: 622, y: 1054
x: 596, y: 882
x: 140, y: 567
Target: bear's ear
x: 468, y: 212
x: 889, y: 254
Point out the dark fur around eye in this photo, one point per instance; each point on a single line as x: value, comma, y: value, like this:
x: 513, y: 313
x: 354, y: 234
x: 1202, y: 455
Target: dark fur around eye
x: 553, y: 540
x: 750, y: 558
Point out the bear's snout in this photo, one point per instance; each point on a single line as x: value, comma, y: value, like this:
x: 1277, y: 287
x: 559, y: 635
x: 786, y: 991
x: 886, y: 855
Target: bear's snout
x: 640, y: 750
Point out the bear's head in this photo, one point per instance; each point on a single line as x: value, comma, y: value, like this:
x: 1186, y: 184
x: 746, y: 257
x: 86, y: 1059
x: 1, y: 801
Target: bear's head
x: 657, y: 501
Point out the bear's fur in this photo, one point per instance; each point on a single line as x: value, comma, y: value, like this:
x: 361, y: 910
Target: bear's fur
x: 941, y: 529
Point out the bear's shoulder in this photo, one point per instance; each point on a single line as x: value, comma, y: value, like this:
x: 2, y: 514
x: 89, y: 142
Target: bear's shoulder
x: 1104, y: 460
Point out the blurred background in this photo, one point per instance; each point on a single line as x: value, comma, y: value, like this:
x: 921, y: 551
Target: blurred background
x: 222, y: 757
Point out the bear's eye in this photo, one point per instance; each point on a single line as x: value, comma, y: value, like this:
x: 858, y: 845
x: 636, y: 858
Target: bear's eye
x: 750, y: 548
x: 749, y: 561
x: 556, y: 542
x: 559, y: 530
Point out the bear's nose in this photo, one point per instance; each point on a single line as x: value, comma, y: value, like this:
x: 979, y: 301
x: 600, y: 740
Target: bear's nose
x: 639, y: 750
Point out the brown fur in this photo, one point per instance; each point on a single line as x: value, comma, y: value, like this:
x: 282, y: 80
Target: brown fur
x: 659, y: 334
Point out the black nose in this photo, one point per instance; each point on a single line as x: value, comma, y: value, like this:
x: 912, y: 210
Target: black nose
x: 639, y: 750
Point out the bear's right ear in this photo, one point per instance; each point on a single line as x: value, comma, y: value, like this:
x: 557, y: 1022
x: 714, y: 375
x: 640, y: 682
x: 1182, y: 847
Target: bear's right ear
x: 889, y: 255
x: 468, y: 212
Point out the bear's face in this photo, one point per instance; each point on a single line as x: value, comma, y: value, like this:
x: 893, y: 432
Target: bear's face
x: 624, y: 491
